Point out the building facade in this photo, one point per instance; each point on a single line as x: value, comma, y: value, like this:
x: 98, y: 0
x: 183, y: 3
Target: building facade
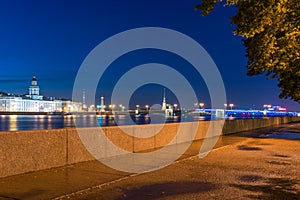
x: 69, y: 106
x: 18, y: 104
x: 34, y: 102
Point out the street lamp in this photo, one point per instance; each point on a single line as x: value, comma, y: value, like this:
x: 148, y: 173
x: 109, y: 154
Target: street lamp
x: 137, y: 111
x: 201, y: 105
x: 122, y: 108
x: 225, y: 105
x: 175, y: 106
x: 147, y: 107
x: 195, y: 106
x: 267, y: 106
x: 231, y: 105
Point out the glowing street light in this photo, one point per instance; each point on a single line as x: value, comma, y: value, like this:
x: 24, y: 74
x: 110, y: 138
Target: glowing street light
x: 122, y: 108
x: 147, y: 107
x: 225, y: 105
x: 201, y: 105
x: 231, y: 105
x: 175, y: 106
x: 267, y: 106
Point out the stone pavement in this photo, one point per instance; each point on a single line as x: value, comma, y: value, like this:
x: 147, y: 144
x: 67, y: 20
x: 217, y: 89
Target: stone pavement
x: 255, y: 167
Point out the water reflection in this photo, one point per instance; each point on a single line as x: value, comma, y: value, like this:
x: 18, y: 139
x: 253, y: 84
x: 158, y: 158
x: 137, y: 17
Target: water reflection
x: 67, y: 121
x: 33, y: 122
x: 100, y: 120
x: 49, y: 122
x: 13, y: 122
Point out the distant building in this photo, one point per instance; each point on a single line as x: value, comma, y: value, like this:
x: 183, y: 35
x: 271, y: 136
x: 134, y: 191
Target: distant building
x: 277, y: 108
x: 169, y: 110
x: 166, y: 107
x: 101, y: 107
x: 71, y: 106
x: 32, y: 102
x: 18, y: 104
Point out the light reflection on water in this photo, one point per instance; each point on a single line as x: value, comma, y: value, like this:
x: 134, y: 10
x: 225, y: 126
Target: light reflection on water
x: 35, y: 122
x: 13, y: 122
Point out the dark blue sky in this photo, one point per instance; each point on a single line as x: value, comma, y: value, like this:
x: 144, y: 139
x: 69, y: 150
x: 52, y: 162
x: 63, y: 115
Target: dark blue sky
x: 52, y: 38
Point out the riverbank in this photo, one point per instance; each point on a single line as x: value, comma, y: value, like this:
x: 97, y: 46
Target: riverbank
x: 14, y: 122
x: 33, y: 150
x: 238, y: 168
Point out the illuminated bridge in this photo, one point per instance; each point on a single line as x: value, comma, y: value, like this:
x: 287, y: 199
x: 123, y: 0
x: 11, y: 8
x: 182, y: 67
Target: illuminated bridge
x: 248, y: 113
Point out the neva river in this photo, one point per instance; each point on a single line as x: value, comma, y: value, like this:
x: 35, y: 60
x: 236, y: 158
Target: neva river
x: 35, y: 122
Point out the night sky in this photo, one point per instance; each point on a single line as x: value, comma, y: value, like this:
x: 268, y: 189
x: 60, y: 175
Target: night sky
x: 52, y: 38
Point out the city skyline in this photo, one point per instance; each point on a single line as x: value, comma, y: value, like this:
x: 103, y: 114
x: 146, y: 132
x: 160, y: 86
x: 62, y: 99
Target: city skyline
x: 33, y: 94
x: 51, y: 39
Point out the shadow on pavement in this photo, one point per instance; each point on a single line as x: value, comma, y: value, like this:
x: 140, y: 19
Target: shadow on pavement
x: 273, y: 188
x: 289, y: 131
x: 28, y: 195
x: 247, y: 148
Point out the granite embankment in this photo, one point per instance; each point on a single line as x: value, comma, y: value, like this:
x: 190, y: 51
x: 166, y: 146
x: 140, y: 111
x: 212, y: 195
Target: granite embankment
x: 27, y: 151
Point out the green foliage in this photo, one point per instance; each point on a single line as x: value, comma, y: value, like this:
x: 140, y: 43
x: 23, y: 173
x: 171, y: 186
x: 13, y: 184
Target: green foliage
x: 271, y: 32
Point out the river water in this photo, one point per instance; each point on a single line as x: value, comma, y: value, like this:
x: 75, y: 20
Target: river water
x: 36, y: 122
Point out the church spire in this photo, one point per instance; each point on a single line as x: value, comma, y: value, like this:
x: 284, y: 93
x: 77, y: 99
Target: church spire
x: 164, y: 104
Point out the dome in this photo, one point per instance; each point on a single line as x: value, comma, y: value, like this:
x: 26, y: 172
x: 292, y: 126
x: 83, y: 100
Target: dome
x: 34, y: 78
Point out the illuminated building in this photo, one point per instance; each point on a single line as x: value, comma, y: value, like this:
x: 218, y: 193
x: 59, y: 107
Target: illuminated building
x: 71, y: 106
x: 34, y: 102
x: 102, y: 105
x: 18, y: 104
x: 277, y: 108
